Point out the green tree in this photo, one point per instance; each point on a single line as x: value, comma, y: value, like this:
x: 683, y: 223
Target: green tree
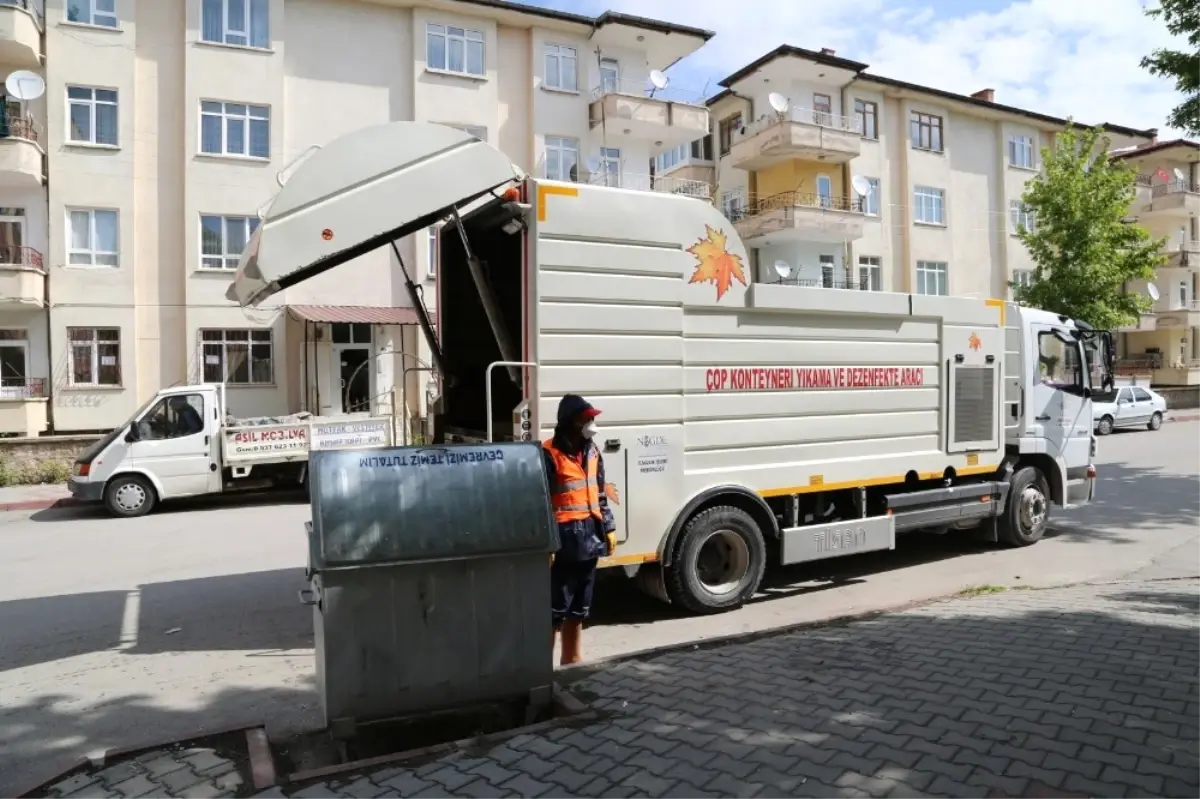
x: 1183, y: 19
x: 1082, y: 249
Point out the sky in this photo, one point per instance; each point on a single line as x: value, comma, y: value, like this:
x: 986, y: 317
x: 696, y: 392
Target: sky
x: 1066, y: 58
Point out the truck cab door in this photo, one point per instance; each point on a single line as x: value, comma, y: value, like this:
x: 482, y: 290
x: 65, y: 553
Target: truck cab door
x: 174, y: 442
x: 1123, y: 413
x: 1060, y: 405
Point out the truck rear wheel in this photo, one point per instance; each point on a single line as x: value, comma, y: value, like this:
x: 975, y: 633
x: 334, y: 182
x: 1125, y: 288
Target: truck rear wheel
x: 1028, y: 510
x: 718, y: 561
x: 129, y: 495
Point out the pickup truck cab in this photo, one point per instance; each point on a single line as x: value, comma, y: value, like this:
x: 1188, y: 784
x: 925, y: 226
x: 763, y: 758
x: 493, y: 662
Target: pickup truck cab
x: 183, y: 443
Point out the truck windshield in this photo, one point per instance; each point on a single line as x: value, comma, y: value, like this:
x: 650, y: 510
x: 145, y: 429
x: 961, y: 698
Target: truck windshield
x: 91, y: 452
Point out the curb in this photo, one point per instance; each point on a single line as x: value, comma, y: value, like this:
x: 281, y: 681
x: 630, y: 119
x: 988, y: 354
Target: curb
x: 39, y: 504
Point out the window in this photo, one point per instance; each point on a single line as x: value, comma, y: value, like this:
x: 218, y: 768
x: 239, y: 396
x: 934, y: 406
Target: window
x: 14, y: 362
x: 929, y: 205
x: 699, y: 151
x: 12, y: 236
x: 733, y: 204
x: 562, y: 68
x: 176, y: 416
x: 235, y: 129
x: 93, y: 115
x: 825, y: 191
x: 562, y: 158
x: 932, y: 278
x: 1141, y: 395
x: 926, y: 132
x: 822, y: 109
x: 867, y: 116
x: 454, y: 49
x: 1183, y: 294
x: 93, y: 237
x: 725, y: 131
x: 1021, y: 279
x: 1058, y: 361
x: 237, y: 357
x: 477, y: 131
x: 244, y: 23
x: 870, y: 203
x: 610, y: 166
x: 222, y: 239
x: 827, y: 264
x: 431, y: 253
x: 1020, y: 151
x: 92, y: 12
x: 870, y: 273
x: 1021, y: 216
x: 610, y: 75
x: 95, y: 356
x: 351, y: 333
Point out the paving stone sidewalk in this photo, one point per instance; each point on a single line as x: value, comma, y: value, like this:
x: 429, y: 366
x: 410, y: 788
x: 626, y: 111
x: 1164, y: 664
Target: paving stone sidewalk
x: 1086, y: 691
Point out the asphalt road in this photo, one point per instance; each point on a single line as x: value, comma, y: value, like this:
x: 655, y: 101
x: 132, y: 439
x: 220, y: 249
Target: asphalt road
x: 120, y: 632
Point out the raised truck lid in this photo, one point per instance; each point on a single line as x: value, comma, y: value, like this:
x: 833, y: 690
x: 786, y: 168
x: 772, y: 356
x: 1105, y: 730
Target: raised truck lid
x: 358, y: 193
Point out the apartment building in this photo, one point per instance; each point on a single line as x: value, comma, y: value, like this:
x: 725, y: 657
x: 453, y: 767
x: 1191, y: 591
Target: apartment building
x: 1165, y: 342
x: 128, y: 190
x: 838, y: 177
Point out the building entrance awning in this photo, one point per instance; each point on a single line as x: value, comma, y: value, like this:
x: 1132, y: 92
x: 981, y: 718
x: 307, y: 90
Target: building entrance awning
x: 354, y: 314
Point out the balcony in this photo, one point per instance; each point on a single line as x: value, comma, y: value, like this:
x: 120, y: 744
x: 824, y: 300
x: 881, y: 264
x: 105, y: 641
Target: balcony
x: 23, y: 406
x: 630, y: 111
x: 21, y: 157
x: 1178, y: 316
x: 1182, y: 256
x: 797, y: 133
x: 665, y: 184
x: 1175, y: 198
x: 22, y: 278
x: 791, y: 217
x: 21, y: 33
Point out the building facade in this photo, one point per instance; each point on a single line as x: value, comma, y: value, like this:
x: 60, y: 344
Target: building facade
x: 129, y: 186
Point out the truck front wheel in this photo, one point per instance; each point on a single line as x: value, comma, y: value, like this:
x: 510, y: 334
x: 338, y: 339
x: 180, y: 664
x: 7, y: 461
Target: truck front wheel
x: 718, y: 561
x: 129, y: 495
x: 1028, y: 510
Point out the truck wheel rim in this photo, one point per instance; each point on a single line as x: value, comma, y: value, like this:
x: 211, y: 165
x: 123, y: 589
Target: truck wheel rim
x: 130, y: 496
x: 1033, y: 508
x: 722, y: 562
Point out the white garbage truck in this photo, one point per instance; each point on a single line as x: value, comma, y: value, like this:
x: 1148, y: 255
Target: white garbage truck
x: 742, y: 421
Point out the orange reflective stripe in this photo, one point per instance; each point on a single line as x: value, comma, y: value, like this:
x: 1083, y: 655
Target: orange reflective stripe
x: 575, y: 489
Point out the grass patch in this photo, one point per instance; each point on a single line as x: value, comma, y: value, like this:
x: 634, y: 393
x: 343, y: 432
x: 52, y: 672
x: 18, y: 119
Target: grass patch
x: 982, y: 590
x: 38, y: 472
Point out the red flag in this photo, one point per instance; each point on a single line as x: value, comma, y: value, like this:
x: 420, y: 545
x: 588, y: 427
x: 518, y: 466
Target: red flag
x: 1162, y: 175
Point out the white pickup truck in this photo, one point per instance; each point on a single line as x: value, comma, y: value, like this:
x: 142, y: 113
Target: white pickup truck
x: 183, y: 443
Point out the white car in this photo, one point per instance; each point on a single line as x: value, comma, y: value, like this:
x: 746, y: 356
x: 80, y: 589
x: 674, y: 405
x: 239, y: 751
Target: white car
x: 1127, y: 406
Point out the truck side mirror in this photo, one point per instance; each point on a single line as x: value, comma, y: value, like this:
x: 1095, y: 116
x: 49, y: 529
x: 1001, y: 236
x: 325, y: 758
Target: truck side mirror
x: 132, y: 434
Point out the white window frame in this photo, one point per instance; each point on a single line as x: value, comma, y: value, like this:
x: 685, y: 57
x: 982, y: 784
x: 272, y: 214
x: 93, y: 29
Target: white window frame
x: 609, y: 165
x: 249, y: 342
x: 560, y: 144
x: 20, y: 382
x: 1020, y: 279
x: 91, y: 104
x: 562, y: 55
x: 870, y: 203
x: 825, y: 191
x: 1020, y: 151
x: 940, y: 270
x: 456, y: 33
x: 254, y: 113
x: 17, y: 219
x: 610, y: 85
x: 228, y: 30
x: 1020, y: 216
x: 93, y: 345
x: 929, y: 206
x: 228, y: 258
x: 691, y: 153
x: 431, y: 252
x: 870, y: 271
x: 97, y: 259
x: 98, y: 17
x: 828, y: 262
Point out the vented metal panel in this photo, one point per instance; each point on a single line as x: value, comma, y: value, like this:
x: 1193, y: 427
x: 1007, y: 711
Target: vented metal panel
x: 973, y: 408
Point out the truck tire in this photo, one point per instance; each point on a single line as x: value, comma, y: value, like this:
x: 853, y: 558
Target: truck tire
x: 129, y: 495
x: 1028, y: 510
x: 1105, y: 425
x: 718, y: 562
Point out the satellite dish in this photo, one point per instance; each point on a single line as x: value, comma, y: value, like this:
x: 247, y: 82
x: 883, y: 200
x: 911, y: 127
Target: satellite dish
x: 1180, y: 174
x: 862, y: 186
x: 658, y: 79
x: 778, y: 102
x: 592, y: 164
x: 783, y: 269
x: 1152, y: 290
x: 25, y: 85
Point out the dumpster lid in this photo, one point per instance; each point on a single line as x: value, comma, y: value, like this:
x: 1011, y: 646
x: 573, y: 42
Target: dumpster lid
x: 360, y: 192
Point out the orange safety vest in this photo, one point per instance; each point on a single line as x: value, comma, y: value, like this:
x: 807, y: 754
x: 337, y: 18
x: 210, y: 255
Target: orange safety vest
x: 574, y: 491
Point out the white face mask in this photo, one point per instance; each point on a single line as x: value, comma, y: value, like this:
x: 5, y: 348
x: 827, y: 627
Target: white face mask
x: 589, y: 430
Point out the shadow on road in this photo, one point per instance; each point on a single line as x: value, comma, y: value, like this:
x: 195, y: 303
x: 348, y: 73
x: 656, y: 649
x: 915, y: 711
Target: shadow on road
x: 186, y: 505
x: 1133, y: 499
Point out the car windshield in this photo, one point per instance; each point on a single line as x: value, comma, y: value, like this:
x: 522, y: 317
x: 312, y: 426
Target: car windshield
x: 89, y: 454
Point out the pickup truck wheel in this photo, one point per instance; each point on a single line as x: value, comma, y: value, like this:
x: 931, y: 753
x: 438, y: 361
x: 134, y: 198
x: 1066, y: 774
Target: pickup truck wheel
x: 718, y: 561
x: 1155, y: 421
x: 1105, y: 425
x: 1028, y: 510
x: 129, y: 495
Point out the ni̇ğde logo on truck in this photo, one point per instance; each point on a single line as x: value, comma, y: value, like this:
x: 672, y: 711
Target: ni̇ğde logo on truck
x: 715, y: 263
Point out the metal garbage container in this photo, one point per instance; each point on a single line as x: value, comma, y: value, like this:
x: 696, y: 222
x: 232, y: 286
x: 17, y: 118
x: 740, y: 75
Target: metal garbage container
x: 429, y: 578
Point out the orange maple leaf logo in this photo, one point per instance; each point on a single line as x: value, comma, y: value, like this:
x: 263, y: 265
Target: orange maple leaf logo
x: 714, y: 263
x: 973, y: 342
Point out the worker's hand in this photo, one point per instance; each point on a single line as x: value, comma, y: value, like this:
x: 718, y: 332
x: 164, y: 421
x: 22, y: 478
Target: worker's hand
x: 611, y: 539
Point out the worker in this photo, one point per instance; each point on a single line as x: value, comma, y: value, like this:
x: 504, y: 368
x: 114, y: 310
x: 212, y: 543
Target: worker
x: 586, y: 529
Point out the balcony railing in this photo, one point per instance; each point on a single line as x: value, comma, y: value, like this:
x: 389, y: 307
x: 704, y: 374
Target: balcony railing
x: 34, y: 7
x: 1173, y: 187
x: 750, y: 206
x: 803, y: 116
x: 1145, y: 362
x: 633, y: 88
x: 22, y: 388
x: 14, y: 126
x: 666, y: 185
x: 28, y: 257
x: 863, y: 284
